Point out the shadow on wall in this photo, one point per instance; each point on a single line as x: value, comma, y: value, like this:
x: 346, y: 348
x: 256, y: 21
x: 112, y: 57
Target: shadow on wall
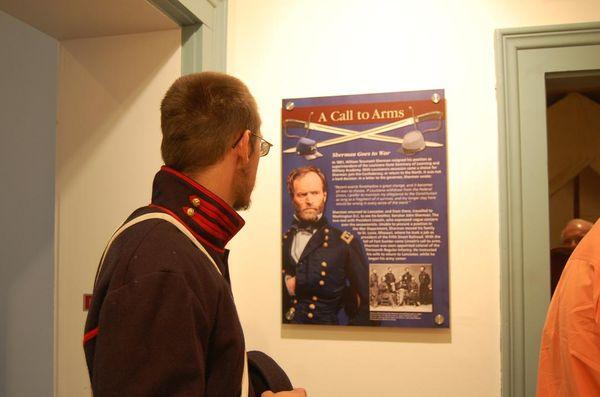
x: 383, y: 334
x: 89, y: 112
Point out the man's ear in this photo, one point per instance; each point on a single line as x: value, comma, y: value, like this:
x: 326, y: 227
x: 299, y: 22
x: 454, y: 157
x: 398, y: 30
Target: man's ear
x: 243, y: 147
x: 325, y: 197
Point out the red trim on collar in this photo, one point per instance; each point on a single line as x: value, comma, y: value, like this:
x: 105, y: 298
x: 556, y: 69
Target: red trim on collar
x: 213, y: 211
x: 209, y: 226
x: 204, y: 190
x: 90, y: 335
x: 200, y: 238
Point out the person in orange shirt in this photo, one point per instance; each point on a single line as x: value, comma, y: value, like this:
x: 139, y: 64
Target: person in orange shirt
x: 570, y: 236
x: 570, y: 351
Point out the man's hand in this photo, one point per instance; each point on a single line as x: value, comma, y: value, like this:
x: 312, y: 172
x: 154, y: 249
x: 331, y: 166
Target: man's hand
x: 294, y: 393
x: 290, y: 284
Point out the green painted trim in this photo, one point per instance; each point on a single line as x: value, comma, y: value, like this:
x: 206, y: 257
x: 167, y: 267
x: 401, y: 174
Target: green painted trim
x: 191, y: 49
x: 205, y: 10
x: 203, y: 33
x: 175, y: 10
x: 512, y: 273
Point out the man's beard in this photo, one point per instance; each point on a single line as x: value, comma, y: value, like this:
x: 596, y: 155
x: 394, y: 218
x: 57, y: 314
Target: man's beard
x: 317, y: 211
x: 242, y: 190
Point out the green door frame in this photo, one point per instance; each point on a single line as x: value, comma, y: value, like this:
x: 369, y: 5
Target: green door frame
x: 203, y: 32
x: 523, y: 176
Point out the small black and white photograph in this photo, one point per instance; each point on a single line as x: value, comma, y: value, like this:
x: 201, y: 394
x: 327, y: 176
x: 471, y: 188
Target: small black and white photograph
x: 401, y: 288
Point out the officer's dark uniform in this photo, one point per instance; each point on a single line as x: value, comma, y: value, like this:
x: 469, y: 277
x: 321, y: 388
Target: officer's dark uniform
x: 330, y: 274
x: 424, y: 281
x: 406, y: 280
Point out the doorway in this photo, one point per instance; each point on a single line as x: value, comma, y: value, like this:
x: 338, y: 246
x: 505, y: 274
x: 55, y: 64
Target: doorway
x: 525, y: 57
x: 573, y: 119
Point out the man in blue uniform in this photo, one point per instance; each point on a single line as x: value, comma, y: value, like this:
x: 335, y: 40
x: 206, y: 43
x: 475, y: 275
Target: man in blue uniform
x: 325, y: 269
x: 162, y: 321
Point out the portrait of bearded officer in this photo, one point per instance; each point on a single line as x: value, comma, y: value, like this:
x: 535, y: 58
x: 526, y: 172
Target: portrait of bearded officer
x: 325, y: 270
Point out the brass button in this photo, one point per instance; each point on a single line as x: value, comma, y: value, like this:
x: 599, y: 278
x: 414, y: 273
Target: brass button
x: 310, y: 315
x: 323, y: 273
x: 312, y: 306
x: 190, y: 212
x: 324, y: 264
x: 326, y: 230
x: 295, y: 301
x: 325, y: 244
x: 322, y: 283
x: 196, y: 201
x: 314, y: 298
x: 326, y: 238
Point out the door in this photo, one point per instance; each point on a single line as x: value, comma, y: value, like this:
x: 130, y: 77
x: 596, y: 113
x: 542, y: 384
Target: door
x: 525, y: 57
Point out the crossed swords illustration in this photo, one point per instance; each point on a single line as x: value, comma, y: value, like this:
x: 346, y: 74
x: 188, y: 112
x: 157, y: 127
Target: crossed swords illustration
x: 371, y: 134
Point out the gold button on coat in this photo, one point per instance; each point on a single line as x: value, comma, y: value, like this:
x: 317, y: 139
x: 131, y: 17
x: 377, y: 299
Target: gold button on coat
x: 190, y: 212
x: 326, y: 230
x: 325, y: 244
x: 314, y: 298
x: 196, y: 201
x: 323, y: 273
x: 312, y: 306
x: 326, y: 238
x: 295, y: 301
x: 324, y: 264
x: 310, y: 315
x: 321, y: 283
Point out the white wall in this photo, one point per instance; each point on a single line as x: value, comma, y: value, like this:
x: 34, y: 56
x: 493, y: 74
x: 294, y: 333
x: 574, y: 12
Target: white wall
x: 28, y: 70
x: 285, y: 49
x: 108, y: 149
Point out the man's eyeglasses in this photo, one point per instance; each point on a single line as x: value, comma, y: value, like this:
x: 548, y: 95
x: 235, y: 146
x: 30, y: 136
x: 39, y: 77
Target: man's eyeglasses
x: 264, y: 145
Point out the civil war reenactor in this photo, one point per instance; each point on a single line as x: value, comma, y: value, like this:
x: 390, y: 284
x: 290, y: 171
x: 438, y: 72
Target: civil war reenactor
x: 162, y: 320
x: 424, y: 281
x: 325, y: 269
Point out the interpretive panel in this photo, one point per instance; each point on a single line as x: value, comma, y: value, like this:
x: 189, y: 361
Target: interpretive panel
x: 365, y: 214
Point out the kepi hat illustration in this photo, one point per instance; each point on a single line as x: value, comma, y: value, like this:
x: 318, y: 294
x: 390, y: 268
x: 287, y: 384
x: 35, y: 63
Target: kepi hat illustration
x: 307, y: 148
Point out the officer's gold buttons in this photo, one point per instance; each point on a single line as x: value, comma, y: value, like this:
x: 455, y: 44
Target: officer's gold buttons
x: 196, y: 202
x: 190, y: 212
x: 322, y: 283
x: 310, y: 315
x: 326, y: 230
x: 312, y: 306
x: 324, y: 264
x: 323, y: 273
x: 326, y: 238
x: 325, y: 244
x: 314, y: 298
x: 295, y: 301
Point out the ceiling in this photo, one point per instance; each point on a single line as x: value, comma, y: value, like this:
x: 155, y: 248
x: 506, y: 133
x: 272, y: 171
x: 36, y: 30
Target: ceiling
x: 70, y: 19
x: 558, y: 85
